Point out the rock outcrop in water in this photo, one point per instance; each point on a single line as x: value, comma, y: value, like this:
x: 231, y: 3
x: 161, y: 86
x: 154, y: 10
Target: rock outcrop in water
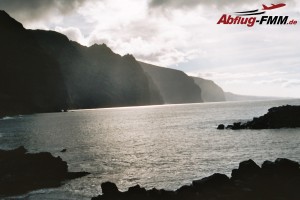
x: 21, y: 172
x: 277, y: 117
x: 279, y: 180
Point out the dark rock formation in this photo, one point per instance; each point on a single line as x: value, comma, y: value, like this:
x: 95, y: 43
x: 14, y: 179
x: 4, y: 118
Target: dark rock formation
x: 97, y: 77
x: 42, y: 71
x: 210, y: 91
x: 277, y: 117
x: 21, y: 172
x: 63, y: 150
x: 30, y: 79
x: 174, y: 85
x: 109, y: 188
x: 221, y: 126
x: 279, y: 180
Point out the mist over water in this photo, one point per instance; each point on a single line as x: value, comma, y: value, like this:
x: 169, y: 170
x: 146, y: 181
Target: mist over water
x: 154, y: 146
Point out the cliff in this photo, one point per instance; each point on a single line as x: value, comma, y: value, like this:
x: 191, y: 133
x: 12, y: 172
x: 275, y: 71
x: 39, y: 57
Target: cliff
x: 272, y: 180
x: 42, y: 71
x: 174, y: 85
x: 210, y: 91
x: 30, y: 79
x: 97, y: 77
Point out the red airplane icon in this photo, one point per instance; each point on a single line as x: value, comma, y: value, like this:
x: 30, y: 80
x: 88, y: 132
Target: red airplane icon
x: 274, y: 6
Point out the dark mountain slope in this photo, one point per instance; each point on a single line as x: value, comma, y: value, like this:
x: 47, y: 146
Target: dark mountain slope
x: 30, y: 79
x: 97, y: 77
x: 210, y: 91
x: 42, y: 71
x: 174, y: 85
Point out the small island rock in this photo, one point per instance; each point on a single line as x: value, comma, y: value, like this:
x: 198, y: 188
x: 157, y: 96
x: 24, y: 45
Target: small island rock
x: 277, y: 117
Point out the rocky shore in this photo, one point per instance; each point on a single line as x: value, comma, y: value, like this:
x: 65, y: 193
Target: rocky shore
x: 277, y: 117
x: 279, y: 180
x: 21, y: 172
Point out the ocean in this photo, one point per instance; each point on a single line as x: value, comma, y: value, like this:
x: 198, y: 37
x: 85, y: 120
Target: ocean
x: 163, y: 146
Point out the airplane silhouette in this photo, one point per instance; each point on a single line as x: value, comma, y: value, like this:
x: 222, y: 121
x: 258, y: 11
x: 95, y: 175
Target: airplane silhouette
x: 274, y: 6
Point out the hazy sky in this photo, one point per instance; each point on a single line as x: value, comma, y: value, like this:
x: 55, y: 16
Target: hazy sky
x: 182, y: 34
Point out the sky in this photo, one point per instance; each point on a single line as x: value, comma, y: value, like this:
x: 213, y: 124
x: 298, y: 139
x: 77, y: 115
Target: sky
x: 263, y: 60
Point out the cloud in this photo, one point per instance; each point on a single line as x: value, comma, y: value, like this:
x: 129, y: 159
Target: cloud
x: 243, y: 75
x: 181, y: 35
x: 273, y: 81
x: 291, y: 83
x: 193, y: 3
x: 150, y: 37
x: 31, y: 10
x: 284, y: 83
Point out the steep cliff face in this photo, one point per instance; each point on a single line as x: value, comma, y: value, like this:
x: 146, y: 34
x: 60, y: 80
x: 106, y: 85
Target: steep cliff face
x: 97, y: 77
x: 30, y: 79
x: 42, y: 71
x: 124, y: 79
x: 211, y: 92
x: 174, y: 85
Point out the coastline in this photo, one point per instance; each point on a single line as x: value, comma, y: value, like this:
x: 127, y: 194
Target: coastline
x: 14, y: 114
x: 23, y: 172
x: 273, y: 180
x: 92, y: 192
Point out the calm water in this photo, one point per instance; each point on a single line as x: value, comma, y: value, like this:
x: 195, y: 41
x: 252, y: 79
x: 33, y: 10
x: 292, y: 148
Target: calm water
x: 162, y: 146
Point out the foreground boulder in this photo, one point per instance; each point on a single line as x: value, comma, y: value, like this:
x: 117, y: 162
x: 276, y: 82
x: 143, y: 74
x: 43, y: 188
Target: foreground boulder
x: 277, y: 117
x: 279, y: 180
x: 21, y: 172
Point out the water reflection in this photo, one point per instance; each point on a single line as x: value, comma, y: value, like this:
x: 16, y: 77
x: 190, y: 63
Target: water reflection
x: 161, y: 146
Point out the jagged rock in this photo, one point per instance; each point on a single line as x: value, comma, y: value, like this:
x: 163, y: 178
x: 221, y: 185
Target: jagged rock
x: 246, y: 168
x: 154, y: 193
x: 213, y: 181
x: 185, y: 190
x: 277, y: 117
x: 63, y: 150
x: 268, y: 165
x: 21, y: 172
x: 249, y: 165
x: 221, y: 126
x: 272, y: 181
x: 109, y: 188
x: 136, y: 190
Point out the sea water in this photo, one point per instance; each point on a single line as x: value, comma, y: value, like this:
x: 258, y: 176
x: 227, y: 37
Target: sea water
x: 163, y: 146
